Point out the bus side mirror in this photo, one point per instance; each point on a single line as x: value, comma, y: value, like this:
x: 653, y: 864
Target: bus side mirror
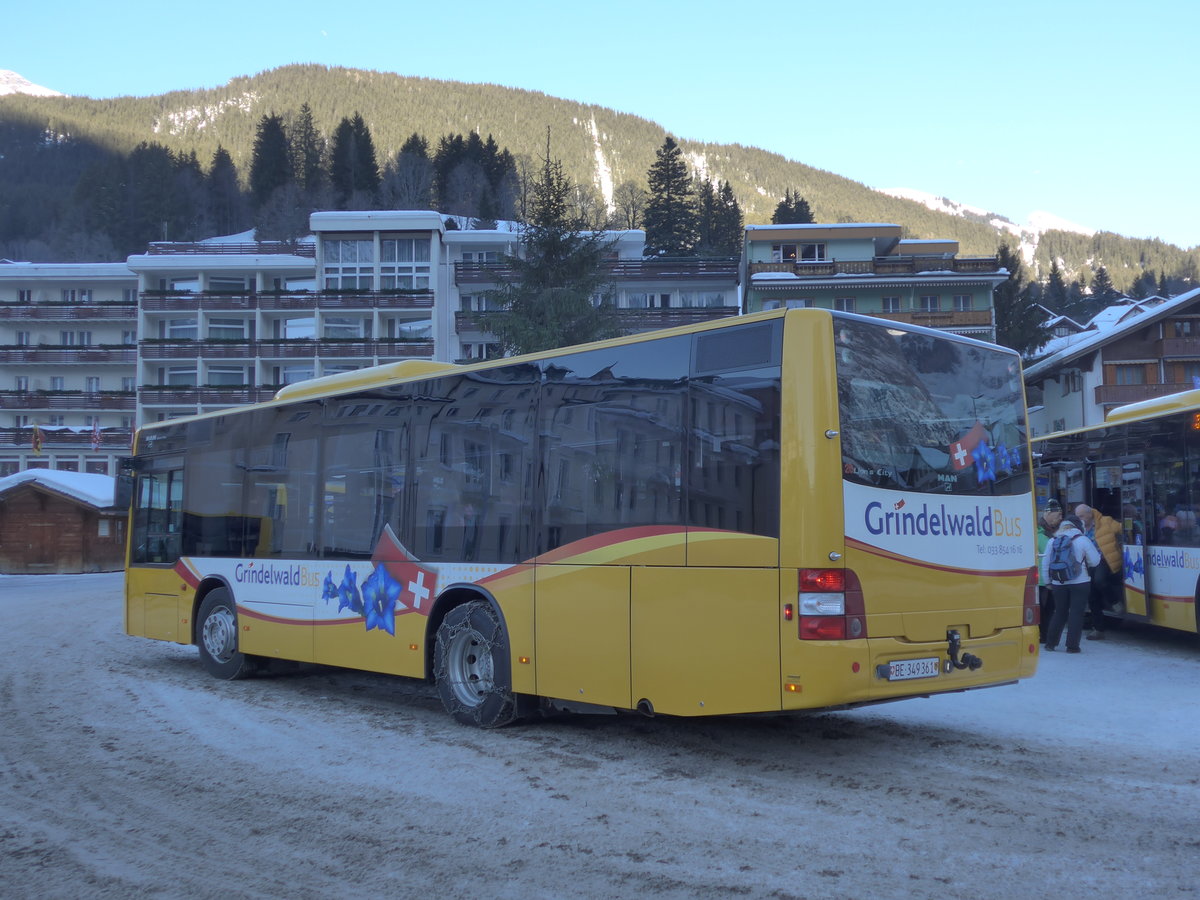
x: 123, y: 491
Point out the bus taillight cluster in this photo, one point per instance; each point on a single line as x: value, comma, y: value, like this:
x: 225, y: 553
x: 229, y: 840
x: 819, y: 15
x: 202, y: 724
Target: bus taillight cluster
x: 831, y: 607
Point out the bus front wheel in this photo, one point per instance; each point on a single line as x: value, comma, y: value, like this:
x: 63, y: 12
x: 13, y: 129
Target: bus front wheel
x: 216, y: 636
x: 471, y: 667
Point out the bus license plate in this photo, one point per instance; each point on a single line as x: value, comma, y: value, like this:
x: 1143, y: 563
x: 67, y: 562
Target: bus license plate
x: 904, y: 669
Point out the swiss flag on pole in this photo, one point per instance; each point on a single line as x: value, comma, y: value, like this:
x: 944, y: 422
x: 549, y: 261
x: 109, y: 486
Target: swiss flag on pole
x: 95, y: 434
x: 962, y: 450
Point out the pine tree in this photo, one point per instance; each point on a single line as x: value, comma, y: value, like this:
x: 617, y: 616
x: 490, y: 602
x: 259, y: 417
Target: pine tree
x: 408, y: 179
x: 792, y: 210
x: 670, y: 216
x: 1020, y: 323
x: 1055, y: 296
x: 307, y: 147
x: 1103, y: 292
x: 271, y: 163
x: 730, y: 230
x: 226, y: 202
x: 353, y: 170
x: 557, y: 292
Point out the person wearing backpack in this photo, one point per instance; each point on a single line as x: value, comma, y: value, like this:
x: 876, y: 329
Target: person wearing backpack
x: 1065, y: 566
x: 1047, y: 526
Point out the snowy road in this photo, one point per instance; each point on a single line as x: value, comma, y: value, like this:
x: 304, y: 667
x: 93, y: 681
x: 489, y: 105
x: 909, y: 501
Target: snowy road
x: 126, y: 771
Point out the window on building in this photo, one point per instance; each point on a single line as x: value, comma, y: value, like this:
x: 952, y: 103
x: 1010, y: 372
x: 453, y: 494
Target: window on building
x: 347, y: 327
x: 890, y: 304
x: 227, y: 329
x: 481, y: 256
x: 25, y: 295
x: 843, y: 304
x: 701, y: 299
x: 783, y: 253
x: 962, y: 302
x: 929, y: 303
x: 22, y: 382
x: 56, y: 382
x: 128, y: 338
x: 481, y: 350
x: 66, y: 338
x: 129, y: 295
x: 227, y: 285
x: 179, y: 329
x: 180, y: 376
x: 22, y: 338
x: 70, y: 295
x: 21, y: 420
x: 1191, y: 373
x: 56, y: 421
x: 293, y: 374
x: 85, y: 295
x: 91, y: 384
x: 1129, y: 374
x: 636, y: 300
x: 84, y: 339
x: 349, y: 264
x: 128, y: 383
x: 789, y: 303
x: 813, y: 252
x: 404, y: 265
x: 1183, y: 328
x: 226, y: 376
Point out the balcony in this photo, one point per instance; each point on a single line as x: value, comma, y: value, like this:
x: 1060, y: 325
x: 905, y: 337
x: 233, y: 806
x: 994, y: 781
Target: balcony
x: 1169, y: 348
x: 69, y: 312
x: 184, y: 395
x: 659, y: 269
x: 943, y: 319
x: 55, y: 355
x: 247, y: 248
x: 630, y: 320
x: 325, y: 349
x: 1120, y: 394
x: 880, y: 266
x: 77, y: 400
x: 186, y: 301
x: 54, y: 438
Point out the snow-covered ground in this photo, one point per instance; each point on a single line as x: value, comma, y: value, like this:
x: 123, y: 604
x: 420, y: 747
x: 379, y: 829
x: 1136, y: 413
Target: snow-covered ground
x: 125, y: 771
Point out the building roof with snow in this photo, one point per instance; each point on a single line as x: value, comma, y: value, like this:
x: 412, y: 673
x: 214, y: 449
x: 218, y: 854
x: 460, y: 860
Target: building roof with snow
x: 94, y: 490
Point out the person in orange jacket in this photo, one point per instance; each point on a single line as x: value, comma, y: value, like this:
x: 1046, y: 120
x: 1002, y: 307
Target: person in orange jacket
x: 1105, y: 532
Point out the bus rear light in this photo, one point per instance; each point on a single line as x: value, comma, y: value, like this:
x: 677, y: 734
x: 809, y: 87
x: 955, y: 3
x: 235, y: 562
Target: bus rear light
x: 1031, y: 613
x: 831, y: 605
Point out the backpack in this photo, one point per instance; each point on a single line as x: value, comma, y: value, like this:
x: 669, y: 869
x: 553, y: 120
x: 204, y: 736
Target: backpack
x: 1063, y: 566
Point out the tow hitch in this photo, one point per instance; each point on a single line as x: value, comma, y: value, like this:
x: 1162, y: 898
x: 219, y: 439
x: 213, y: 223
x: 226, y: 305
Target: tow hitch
x: 966, y: 661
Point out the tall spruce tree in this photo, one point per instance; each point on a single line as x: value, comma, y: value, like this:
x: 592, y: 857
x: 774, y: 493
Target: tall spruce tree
x: 226, y: 202
x: 670, y: 216
x: 271, y: 161
x: 1103, y: 292
x: 555, y: 292
x: 792, y: 210
x: 1020, y: 323
x: 307, y: 146
x: 353, y: 169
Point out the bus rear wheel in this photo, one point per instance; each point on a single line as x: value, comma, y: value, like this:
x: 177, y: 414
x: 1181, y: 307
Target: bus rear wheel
x: 471, y: 667
x: 217, y: 638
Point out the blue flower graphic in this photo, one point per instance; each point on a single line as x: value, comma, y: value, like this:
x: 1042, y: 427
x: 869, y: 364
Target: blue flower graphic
x: 348, y: 596
x: 985, y: 462
x: 381, y: 591
x: 329, y: 590
x: 1002, y: 463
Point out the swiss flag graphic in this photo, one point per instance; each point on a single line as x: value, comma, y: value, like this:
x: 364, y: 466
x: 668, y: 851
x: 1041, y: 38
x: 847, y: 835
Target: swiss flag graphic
x: 962, y: 450
x: 418, y: 584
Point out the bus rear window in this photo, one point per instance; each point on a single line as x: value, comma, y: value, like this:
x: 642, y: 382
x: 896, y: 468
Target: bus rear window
x: 923, y: 412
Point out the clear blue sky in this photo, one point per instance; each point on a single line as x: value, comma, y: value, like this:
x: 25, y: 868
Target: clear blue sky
x: 1087, y: 110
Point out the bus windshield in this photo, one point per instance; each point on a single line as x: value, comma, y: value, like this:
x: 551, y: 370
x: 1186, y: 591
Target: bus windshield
x: 923, y: 413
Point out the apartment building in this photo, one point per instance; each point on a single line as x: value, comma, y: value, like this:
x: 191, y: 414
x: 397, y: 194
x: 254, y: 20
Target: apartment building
x: 87, y: 352
x: 68, y: 351
x: 868, y: 268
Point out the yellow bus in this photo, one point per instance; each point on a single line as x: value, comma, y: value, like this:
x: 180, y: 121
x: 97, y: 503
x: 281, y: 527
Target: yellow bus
x: 794, y: 510
x: 1142, y: 468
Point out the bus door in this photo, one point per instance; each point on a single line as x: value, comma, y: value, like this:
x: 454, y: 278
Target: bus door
x: 1137, y: 521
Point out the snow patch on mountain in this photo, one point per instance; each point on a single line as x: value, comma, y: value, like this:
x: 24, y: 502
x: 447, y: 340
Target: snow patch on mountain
x: 196, y: 118
x: 604, y: 175
x: 12, y: 83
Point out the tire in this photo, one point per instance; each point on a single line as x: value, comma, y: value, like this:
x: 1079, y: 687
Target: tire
x: 471, y: 667
x: 217, y: 638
